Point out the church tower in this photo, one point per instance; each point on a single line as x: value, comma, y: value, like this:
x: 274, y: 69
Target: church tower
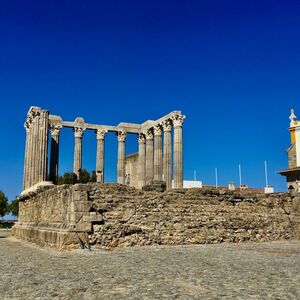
x: 292, y: 174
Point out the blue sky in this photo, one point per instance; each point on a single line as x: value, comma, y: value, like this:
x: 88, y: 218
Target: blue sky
x: 232, y: 67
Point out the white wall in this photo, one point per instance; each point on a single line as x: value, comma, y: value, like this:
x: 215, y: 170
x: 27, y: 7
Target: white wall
x: 190, y: 184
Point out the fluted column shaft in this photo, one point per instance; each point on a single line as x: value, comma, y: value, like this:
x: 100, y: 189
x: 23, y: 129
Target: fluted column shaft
x: 26, y: 159
x: 77, y: 166
x: 30, y: 158
x: 149, y: 156
x: 178, y: 169
x: 35, y: 163
x: 121, y: 156
x: 167, y: 155
x: 54, y: 154
x: 157, y: 152
x: 100, y: 155
x: 142, y: 161
x: 43, y: 145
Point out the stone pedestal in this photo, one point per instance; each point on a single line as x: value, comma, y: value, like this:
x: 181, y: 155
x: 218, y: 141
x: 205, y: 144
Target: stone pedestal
x: 121, y: 156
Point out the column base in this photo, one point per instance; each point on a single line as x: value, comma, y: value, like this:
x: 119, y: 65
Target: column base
x: 35, y: 187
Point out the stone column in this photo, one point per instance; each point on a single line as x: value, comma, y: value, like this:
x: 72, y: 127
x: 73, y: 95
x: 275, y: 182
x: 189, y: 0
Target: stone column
x: 142, y: 160
x: 30, y: 159
x: 33, y: 114
x: 178, y: 169
x: 35, y: 164
x: 149, y: 156
x: 35, y: 145
x: 157, y: 152
x: 43, y: 145
x: 26, y: 159
x: 78, y: 133
x: 167, y: 156
x: 54, y: 154
x: 100, y: 155
x: 121, y: 156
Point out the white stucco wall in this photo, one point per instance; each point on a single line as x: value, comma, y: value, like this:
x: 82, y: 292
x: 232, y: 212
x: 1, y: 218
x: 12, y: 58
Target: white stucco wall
x: 190, y: 184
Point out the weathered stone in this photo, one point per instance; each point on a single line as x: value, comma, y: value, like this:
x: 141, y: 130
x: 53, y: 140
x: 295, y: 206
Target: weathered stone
x: 92, y: 218
x: 156, y: 186
x: 84, y: 227
x: 117, y: 215
x: 296, y: 205
x: 82, y: 206
x: 81, y: 187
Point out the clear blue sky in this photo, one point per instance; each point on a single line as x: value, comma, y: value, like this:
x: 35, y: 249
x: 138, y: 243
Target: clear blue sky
x: 232, y: 67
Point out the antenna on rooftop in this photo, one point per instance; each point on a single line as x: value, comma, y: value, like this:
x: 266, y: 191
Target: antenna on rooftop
x: 268, y: 188
x: 266, y: 174
x: 195, y: 175
x: 216, y: 176
x: 240, y: 174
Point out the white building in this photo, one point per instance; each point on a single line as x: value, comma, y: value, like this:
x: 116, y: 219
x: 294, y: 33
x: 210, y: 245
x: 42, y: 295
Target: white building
x: 190, y: 184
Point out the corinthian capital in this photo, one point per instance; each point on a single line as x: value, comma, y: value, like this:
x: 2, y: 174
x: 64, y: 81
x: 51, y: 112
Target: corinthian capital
x: 141, y: 138
x: 177, y: 120
x: 55, y: 130
x: 78, y: 132
x: 27, y: 125
x: 149, y: 134
x: 100, y: 133
x: 121, y: 136
x: 167, y: 125
x: 157, y: 129
x: 32, y: 115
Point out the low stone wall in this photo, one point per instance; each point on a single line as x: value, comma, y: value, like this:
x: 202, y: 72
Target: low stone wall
x: 57, y: 216
x: 112, y: 215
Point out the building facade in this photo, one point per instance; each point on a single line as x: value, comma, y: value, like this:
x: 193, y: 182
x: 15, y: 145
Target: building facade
x: 292, y: 174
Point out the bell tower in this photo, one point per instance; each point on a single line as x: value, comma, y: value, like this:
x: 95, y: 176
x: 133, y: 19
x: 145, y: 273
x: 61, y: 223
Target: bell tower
x: 292, y: 174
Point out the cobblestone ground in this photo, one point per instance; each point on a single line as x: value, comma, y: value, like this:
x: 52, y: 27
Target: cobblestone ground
x: 223, y: 271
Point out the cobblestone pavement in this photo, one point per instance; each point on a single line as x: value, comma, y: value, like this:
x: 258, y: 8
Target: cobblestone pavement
x: 223, y: 271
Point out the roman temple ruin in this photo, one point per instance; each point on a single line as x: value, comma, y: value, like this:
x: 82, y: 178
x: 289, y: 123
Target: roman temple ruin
x: 108, y: 215
x: 157, y: 158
